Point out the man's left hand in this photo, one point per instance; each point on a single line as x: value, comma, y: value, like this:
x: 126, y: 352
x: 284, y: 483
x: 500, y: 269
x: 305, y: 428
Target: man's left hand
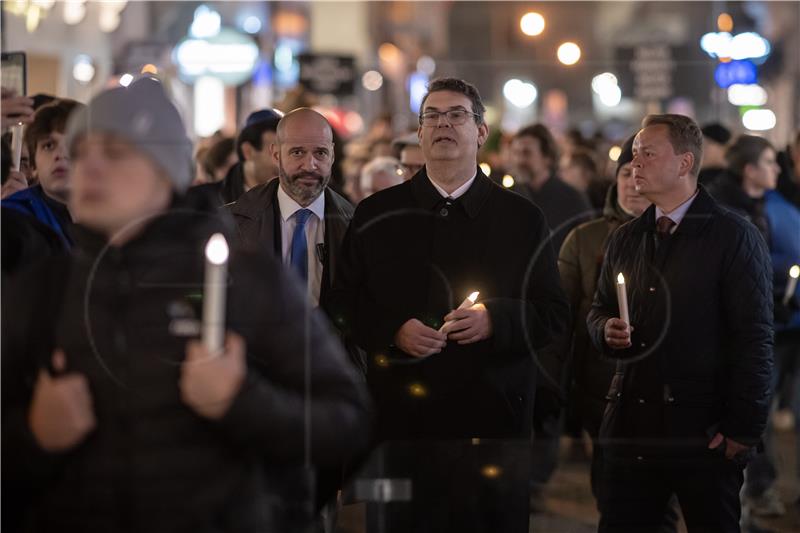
x: 210, y: 382
x: 468, y: 325
x: 732, y: 448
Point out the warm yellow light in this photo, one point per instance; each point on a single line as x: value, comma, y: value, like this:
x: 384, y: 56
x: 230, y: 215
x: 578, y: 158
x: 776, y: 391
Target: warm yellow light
x: 725, y: 22
x: 614, y: 152
x: 389, y: 53
x: 569, y: 53
x: 149, y: 69
x: 474, y: 296
x: 486, y: 168
x: 508, y: 181
x: 532, y: 24
x: 795, y: 271
x: 382, y: 360
x: 417, y: 390
x: 491, y: 471
x: 620, y: 279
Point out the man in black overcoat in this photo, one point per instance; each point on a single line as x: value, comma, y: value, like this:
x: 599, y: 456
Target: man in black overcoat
x: 441, y: 376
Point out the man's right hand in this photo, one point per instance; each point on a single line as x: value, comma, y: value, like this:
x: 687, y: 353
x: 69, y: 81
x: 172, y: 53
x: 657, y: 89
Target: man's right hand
x: 61, y: 413
x: 418, y: 340
x: 617, y: 334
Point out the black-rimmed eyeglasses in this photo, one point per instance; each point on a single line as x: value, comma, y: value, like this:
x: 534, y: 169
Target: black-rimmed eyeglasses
x: 454, y: 117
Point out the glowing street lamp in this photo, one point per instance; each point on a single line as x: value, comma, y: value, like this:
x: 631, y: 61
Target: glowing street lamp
x: 569, y: 53
x: 532, y: 24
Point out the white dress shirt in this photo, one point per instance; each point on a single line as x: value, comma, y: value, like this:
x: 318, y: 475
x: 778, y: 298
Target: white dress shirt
x: 456, y: 193
x: 315, y: 234
x: 677, y: 214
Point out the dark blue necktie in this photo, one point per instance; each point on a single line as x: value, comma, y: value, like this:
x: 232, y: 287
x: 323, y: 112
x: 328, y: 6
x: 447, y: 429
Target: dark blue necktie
x: 299, y: 252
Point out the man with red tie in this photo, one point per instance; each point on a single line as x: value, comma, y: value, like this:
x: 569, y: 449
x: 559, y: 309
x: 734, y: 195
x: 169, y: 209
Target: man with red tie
x: 690, y: 399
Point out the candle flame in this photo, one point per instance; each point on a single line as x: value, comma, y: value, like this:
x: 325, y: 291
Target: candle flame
x: 795, y: 271
x: 620, y: 279
x: 473, y: 297
x: 217, y: 249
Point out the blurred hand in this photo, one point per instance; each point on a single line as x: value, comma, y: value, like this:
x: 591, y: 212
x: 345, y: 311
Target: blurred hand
x: 617, y: 333
x: 15, y: 183
x: 11, y: 104
x: 209, y: 383
x: 732, y: 448
x: 468, y: 325
x: 418, y: 340
x: 61, y: 412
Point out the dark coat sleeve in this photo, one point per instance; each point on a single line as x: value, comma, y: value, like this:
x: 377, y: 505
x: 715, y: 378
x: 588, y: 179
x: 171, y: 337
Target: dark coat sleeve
x: 747, y: 305
x: 542, y: 312
x: 301, y: 395
x: 359, y: 317
x: 28, y: 309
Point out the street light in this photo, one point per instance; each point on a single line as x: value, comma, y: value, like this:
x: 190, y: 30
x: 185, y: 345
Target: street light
x: 521, y: 94
x: 532, y: 23
x: 569, y: 53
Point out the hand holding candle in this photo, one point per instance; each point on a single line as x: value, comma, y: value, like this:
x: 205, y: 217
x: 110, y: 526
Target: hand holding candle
x: 791, y: 285
x: 214, y: 293
x: 468, y: 302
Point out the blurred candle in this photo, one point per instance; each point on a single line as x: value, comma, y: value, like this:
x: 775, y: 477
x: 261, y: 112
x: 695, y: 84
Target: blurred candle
x: 469, y: 301
x: 791, y: 286
x: 622, y: 299
x: 17, y: 133
x: 214, y: 293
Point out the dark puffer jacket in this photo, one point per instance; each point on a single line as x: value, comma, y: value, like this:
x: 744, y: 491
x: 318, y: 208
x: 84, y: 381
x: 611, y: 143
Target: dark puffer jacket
x: 152, y: 464
x: 701, y: 307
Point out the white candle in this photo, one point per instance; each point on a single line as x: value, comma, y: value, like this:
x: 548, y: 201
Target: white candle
x: 791, y: 285
x: 17, y: 133
x: 214, y: 293
x: 622, y: 299
x: 469, y: 301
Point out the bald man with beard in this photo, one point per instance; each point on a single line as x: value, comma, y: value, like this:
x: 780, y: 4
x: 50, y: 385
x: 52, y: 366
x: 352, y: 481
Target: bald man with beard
x: 302, y: 221
x: 297, y: 216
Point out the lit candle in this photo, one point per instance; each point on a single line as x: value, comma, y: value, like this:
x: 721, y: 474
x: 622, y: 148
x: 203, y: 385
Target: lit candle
x: 214, y: 293
x: 791, y: 286
x: 469, y: 301
x: 622, y: 299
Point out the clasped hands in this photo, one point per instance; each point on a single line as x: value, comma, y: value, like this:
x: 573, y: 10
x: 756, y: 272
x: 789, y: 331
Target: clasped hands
x: 464, y: 326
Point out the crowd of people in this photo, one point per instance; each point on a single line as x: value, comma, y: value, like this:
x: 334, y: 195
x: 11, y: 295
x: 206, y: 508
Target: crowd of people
x: 352, y: 350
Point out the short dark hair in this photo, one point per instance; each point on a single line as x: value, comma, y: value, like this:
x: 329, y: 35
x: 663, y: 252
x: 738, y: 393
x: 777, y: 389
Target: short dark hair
x: 547, y: 143
x: 49, y: 118
x: 745, y: 150
x: 217, y: 155
x: 460, y: 86
x: 253, y: 134
x: 684, y: 135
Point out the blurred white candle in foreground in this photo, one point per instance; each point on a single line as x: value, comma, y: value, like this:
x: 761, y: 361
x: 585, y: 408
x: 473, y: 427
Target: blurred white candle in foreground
x: 214, y: 293
x: 469, y: 301
x: 622, y: 299
x: 791, y: 286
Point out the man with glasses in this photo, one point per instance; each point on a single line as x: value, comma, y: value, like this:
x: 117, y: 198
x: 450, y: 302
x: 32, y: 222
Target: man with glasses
x: 444, y: 374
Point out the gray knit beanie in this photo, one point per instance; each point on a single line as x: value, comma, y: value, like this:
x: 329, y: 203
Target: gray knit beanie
x: 143, y: 115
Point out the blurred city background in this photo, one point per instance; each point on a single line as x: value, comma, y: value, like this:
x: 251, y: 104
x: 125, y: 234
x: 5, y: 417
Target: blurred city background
x: 596, y: 67
x: 589, y: 71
